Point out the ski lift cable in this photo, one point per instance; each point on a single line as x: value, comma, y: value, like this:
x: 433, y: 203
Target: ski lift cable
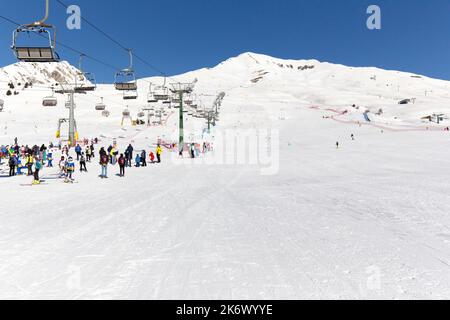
x: 123, y: 47
x: 99, y: 61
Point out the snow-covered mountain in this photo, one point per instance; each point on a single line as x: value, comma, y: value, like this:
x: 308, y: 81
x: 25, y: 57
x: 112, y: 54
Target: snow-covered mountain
x: 40, y: 74
x: 252, y: 81
x: 365, y: 218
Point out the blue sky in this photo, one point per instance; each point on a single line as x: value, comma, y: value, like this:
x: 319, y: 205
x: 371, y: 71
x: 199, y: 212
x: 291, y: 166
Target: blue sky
x: 178, y: 36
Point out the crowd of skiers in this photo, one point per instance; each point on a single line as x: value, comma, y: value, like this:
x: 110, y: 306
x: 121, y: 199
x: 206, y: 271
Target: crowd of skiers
x: 30, y: 161
x: 111, y: 156
x: 26, y: 160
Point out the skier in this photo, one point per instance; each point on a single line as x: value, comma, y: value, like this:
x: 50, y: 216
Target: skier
x: 138, y: 160
x: 152, y: 157
x: 19, y: 166
x: 12, y: 165
x: 83, y: 163
x: 337, y: 145
x: 92, y: 150
x: 353, y: 137
x: 192, y: 150
x: 37, y: 168
x: 104, y: 164
x: 113, y: 155
x: 62, y: 167
x: 130, y: 150
x: 109, y: 153
x: 29, y: 164
x: 78, y: 151
x: 50, y: 160
x: 144, y: 158
x: 88, y: 154
x: 122, y: 162
x: 70, y: 169
x: 158, y: 153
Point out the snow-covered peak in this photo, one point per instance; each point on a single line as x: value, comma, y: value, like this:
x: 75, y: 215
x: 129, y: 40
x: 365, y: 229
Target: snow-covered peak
x: 45, y: 74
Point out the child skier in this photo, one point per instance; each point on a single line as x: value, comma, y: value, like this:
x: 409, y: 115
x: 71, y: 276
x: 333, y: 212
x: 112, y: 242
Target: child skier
x: 19, y: 166
x: 138, y: 160
x: 152, y: 157
x: 50, y: 160
x: 37, y: 168
x: 70, y: 169
x: 62, y: 167
x: 83, y: 163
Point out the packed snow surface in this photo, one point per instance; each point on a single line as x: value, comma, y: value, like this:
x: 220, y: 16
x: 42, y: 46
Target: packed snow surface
x: 367, y: 220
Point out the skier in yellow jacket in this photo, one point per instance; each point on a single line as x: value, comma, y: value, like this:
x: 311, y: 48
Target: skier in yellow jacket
x: 158, y: 153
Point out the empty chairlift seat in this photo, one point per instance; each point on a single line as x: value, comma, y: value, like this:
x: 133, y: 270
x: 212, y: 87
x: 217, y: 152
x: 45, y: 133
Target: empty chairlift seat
x: 49, y: 102
x: 100, y: 107
x: 126, y: 86
x: 36, y: 54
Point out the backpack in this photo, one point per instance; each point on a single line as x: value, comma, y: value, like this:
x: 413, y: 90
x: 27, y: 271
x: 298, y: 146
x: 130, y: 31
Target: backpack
x: 11, y: 162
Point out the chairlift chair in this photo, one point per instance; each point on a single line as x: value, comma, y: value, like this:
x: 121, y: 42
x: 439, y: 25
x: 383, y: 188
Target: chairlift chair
x: 126, y: 113
x: 130, y: 95
x: 87, y: 79
x: 50, y: 101
x: 36, y: 53
x: 161, y: 93
x: 125, y: 79
x: 100, y: 106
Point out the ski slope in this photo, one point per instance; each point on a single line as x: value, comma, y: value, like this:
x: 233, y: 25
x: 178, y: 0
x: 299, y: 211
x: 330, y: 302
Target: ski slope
x: 368, y: 220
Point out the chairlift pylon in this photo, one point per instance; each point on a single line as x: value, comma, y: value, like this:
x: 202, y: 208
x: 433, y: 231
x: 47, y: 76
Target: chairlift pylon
x: 35, y: 53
